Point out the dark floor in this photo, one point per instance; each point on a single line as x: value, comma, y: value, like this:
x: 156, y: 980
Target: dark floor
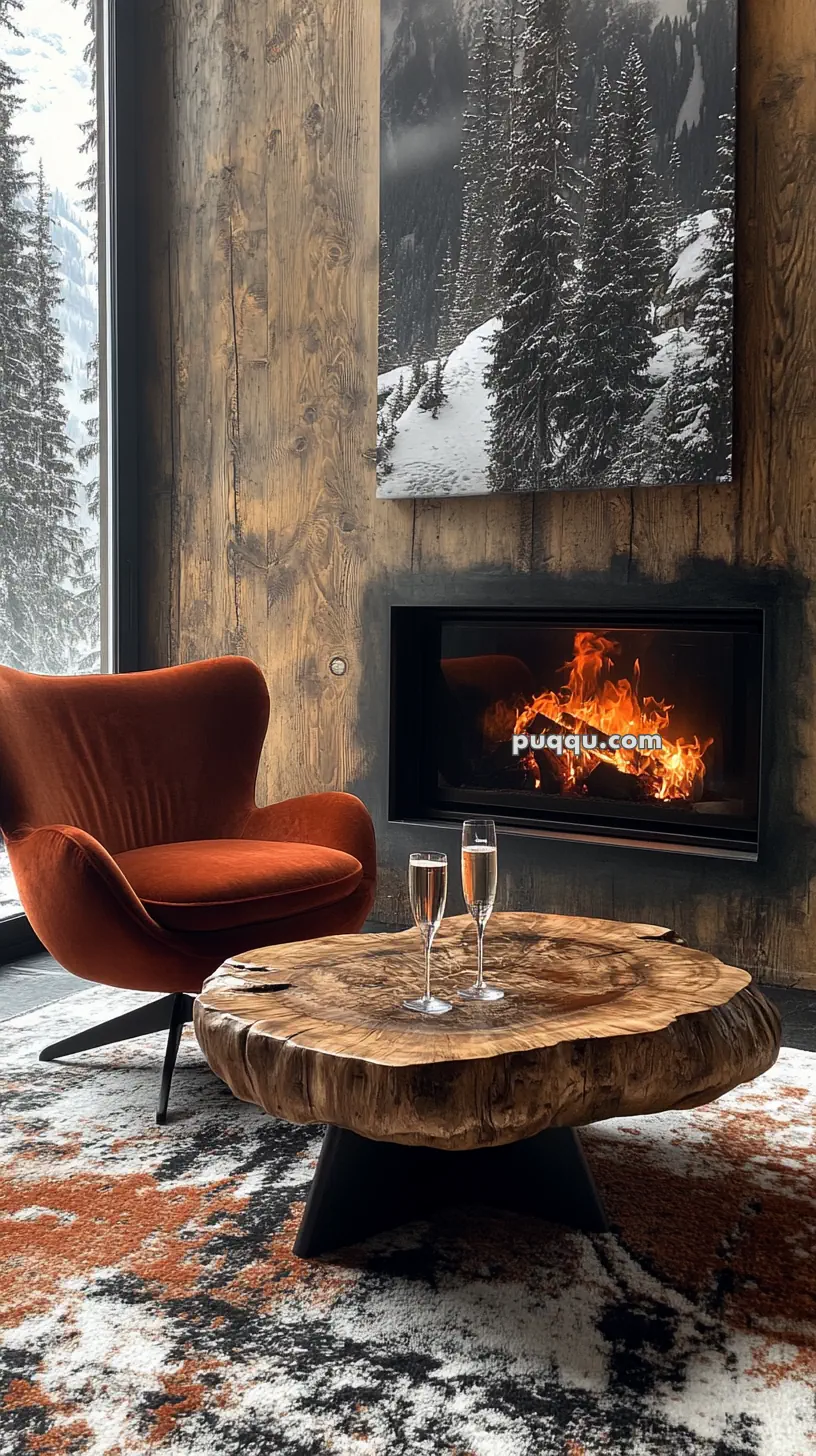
x: 32, y: 981
x: 798, y: 1016
x: 35, y: 980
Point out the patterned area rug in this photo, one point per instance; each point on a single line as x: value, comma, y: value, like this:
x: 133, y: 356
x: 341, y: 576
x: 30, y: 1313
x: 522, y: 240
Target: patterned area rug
x: 149, y: 1300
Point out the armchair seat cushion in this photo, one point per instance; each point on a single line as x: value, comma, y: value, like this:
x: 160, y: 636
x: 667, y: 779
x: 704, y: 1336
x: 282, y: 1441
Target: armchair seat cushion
x: 215, y: 884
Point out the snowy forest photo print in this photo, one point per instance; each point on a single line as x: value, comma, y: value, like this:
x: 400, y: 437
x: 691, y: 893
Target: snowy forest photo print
x: 556, y: 244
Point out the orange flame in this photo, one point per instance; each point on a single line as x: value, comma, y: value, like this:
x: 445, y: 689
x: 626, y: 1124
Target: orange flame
x: 593, y: 703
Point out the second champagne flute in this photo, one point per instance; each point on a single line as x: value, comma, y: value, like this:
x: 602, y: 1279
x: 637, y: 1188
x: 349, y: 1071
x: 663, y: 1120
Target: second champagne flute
x: 479, y: 872
x: 428, y: 891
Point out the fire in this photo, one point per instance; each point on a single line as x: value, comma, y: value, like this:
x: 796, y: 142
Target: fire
x: 594, y: 703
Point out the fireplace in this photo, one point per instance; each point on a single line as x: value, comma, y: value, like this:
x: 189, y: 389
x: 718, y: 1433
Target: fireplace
x: 642, y: 727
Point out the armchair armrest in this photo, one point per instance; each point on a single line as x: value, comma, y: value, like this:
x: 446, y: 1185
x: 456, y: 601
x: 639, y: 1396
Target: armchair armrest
x: 87, y: 915
x: 334, y: 820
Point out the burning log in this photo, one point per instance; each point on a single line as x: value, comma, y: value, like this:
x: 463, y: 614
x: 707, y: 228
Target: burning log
x: 550, y: 775
x: 607, y: 782
x: 671, y: 770
x: 501, y: 769
x: 541, y: 725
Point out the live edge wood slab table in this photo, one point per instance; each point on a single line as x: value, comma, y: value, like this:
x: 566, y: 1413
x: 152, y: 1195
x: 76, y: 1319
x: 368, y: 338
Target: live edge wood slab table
x: 599, y: 1020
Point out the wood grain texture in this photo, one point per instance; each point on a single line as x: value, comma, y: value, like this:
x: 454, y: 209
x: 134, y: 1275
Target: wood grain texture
x: 599, y: 1020
x: 258, y: 185
x: 324, y: 172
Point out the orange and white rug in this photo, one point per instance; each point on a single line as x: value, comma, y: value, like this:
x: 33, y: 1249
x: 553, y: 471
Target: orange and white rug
x: 149, y: 1299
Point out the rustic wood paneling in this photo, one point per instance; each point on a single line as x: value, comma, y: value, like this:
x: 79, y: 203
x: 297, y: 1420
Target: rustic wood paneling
x: 260, y: 529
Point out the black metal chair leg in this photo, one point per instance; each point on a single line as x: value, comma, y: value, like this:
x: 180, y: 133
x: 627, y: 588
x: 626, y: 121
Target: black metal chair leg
x: 168, y: 1013
x: 182, y: 1012
x: 155, y: 1016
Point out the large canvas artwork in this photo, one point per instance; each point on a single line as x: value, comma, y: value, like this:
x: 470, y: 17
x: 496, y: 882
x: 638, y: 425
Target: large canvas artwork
x: 556, y: 244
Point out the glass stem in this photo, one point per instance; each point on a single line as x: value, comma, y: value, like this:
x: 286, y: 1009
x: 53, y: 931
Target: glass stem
x: 428, y: 939
x: 480, y: 930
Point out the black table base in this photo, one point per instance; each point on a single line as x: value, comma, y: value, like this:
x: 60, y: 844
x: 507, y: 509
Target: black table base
x: 362, y: 1187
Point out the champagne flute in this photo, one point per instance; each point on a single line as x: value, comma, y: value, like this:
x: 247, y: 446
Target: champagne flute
x: 428, y: 891
x: 479, y: 869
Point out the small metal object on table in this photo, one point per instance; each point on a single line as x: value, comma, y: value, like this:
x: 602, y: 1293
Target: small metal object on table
x: 599, y: 1020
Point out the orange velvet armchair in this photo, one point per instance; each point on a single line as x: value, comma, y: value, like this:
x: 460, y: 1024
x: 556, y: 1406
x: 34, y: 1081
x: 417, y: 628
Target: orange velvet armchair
x: 127, y: 803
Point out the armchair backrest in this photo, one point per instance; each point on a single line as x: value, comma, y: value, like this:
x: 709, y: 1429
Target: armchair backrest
x: 133, y: 758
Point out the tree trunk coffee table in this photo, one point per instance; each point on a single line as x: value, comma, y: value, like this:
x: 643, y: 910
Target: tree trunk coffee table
x: 599, y: 1020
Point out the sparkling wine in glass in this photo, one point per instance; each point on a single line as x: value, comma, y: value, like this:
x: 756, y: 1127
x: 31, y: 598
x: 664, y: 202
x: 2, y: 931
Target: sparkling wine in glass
x: 479, y: 869
x: 428, y: 891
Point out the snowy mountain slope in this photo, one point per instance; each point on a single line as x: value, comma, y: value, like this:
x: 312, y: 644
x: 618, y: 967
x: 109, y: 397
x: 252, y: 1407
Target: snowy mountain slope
x: 448, y: 455
x: 55, y: 89
x: 388, y: 382
x: 690, y: 267
x: 692, y: 108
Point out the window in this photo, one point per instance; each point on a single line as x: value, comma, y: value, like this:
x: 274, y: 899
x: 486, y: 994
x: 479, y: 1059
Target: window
x: 51, y: 482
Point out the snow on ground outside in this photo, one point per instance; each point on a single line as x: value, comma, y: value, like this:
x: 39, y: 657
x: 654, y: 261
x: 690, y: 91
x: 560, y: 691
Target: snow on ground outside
x: 9, y: 904
x: 448, y: 455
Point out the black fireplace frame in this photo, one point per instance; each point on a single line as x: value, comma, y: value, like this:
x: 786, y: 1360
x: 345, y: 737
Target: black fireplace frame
x: 415, y: 633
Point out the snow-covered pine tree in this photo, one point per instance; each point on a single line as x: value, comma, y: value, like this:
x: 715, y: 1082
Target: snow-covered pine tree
x: 418, y: 378
x: 87, y: 584
x: 666, y: 462
x: 53, y: 451
x: 641, y: 244
x: 512, y: 21
x: 18, y: 523
x: 50, y: 628
x: 700, y: 427
x: 89, y: 187
x: 674, y: 210
x: 89, y: 129
x: 90, y: 395
x: 433, y: 395
x: 386, y: 435
x: 610, y: 344
x: 445, y: 299
x: 387, y: 356
x: 483, y: 166
x: 398, y: 401
x: 536, y: 250
x: 391, y: 410
x: 15, y: 330
x: 586, y: 406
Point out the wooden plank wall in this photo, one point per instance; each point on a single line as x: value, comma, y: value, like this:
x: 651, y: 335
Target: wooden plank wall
x: 260, y: 532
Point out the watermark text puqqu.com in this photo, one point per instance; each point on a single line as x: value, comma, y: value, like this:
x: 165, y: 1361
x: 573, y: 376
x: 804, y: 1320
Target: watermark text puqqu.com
x: 578, y: 743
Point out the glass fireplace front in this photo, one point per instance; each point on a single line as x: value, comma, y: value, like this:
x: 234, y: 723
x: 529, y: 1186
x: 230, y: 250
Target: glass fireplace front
x: 642, y: 727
